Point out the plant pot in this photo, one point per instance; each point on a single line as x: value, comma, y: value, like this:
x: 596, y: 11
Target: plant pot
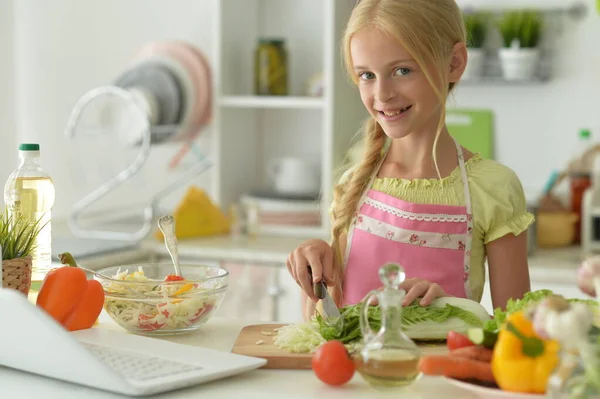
x: 519, y: 63
x: 16, y: 274
x: 475, y: 64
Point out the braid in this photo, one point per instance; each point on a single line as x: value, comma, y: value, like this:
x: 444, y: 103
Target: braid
x: 347, y: 196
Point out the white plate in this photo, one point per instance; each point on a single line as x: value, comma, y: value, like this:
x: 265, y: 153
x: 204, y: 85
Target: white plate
x: 491, y: 393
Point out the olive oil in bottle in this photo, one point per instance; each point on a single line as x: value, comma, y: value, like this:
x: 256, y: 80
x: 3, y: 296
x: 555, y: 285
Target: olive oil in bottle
x: 388, y: 357
x: 388, y: 367
x: 29, y: 197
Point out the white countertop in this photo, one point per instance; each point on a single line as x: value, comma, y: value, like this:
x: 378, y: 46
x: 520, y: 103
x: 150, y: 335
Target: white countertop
x: 220, y: 334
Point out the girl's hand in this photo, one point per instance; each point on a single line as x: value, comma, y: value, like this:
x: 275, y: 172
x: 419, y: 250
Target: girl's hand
x: 417, y: 287
x: 316, y: 254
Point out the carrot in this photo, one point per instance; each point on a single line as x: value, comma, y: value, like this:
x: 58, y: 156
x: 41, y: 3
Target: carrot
x: 477, y: 352
x: 456, y: 367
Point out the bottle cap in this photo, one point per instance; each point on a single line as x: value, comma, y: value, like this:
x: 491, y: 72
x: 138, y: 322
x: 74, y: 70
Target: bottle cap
x: 29, y: 147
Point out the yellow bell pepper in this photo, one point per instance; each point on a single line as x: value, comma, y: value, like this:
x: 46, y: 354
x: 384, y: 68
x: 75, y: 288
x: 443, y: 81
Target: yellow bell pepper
x: 522, y: 361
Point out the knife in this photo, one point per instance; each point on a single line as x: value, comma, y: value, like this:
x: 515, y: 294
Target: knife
x: 329, y: 308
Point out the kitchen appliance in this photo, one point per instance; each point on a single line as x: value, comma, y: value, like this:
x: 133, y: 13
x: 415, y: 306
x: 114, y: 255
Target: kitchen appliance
x: 163, y: 96
x: 104, y: 359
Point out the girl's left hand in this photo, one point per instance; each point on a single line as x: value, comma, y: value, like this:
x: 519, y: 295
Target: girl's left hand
x: 417, y: 287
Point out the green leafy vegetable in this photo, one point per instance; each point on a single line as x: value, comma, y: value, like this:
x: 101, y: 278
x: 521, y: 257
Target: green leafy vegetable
x: 413, y: 314
x: 529, y: 299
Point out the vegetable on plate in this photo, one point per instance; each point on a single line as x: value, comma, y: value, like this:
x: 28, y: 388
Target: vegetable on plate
x: 458, y: 367
x: 69, y: 297
x: 523, y: 361
x: 475, y: 352
x: 481, y: 336
x: 456, y: 340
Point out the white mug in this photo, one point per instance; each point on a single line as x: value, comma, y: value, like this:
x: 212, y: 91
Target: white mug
x: 294, y: 176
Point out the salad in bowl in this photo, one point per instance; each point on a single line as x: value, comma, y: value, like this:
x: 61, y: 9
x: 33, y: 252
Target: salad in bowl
x: 149, y: 299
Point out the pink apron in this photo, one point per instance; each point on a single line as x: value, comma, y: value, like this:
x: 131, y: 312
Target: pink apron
x: 432, y: 242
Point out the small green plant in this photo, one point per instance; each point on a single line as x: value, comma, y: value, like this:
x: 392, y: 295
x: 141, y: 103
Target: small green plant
x: 17, y: 237
x: 476, y: 25
x: 524, y: 26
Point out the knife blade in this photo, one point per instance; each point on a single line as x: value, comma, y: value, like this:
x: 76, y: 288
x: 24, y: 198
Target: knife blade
x: 320, y: 290
x: 329, y: 307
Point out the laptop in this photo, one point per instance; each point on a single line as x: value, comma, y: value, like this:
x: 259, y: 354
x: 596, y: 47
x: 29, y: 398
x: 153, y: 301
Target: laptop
x: 108, y: 360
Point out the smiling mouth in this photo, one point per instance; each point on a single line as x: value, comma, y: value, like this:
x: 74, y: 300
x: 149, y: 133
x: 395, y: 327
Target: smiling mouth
x: 394, y: 113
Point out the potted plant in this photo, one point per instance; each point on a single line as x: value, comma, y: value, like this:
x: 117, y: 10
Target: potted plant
x: 521, y: 33
x: 17, y: 239
x: 476, y: 28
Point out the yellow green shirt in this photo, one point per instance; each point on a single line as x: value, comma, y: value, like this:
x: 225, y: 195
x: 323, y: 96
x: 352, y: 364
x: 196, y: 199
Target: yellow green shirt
x: 497, y: 199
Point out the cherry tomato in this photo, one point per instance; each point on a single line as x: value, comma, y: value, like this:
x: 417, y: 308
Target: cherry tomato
x: 456, y: 340
x: 332, y: 364
x: 173, y: 277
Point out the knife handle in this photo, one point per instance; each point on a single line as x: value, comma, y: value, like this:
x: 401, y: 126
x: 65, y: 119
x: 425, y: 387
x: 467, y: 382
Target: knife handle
x: 318, y: 288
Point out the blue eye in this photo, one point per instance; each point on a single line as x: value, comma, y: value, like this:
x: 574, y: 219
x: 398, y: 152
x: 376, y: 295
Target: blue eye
x: 402, y: 71
x: 366, y: 75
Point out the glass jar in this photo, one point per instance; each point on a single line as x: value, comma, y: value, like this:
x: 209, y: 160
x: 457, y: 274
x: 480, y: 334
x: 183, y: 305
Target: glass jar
x: 271, y: 68
x: 578, y: 374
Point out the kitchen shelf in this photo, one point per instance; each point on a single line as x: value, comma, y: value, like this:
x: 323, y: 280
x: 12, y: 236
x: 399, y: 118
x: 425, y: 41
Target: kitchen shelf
x: 290, y: 102
x: 250, y: 131
x: 575, y: 9
x: 500, y: 81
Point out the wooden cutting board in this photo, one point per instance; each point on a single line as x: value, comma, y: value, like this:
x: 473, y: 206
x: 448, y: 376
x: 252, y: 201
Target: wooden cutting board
x: 246, y: 344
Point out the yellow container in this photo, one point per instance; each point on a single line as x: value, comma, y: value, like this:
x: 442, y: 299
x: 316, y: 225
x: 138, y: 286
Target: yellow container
x: 556, y: 229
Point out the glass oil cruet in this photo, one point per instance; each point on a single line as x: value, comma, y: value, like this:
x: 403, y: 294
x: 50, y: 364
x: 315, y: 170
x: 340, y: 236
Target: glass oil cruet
x: 388, y: 357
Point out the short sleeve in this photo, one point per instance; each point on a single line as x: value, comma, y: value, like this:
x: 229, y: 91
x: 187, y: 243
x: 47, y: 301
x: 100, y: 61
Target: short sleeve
x: 502, y: 198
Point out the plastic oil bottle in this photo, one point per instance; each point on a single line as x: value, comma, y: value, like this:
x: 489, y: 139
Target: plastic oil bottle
x: 29, y: 196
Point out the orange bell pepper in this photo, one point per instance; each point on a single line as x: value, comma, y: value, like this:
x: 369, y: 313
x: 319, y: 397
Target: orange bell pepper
x: 69, y: 297
x: 522, y: 361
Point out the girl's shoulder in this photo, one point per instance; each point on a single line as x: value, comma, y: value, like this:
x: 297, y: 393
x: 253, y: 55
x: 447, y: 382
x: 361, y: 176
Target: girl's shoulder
x: 491, y: 175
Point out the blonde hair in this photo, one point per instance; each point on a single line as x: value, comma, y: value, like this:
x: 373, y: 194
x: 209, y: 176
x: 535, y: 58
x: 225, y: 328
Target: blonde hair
x: 428, y: 29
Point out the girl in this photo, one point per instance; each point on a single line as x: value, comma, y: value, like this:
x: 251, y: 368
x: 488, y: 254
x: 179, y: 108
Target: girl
x: 417, y: 197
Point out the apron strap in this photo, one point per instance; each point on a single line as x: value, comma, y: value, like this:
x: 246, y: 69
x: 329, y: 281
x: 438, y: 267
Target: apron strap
x: 467, y: 193
x: 464, y: 176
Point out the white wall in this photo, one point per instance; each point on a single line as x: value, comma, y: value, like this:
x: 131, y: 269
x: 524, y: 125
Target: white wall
x: 65, y: 48
x: 8, y: 127
x: 536, y: 126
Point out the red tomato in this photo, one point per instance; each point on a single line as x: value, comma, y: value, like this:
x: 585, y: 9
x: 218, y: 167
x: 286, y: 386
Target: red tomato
x: 173, y: 277
x: 456, y: 340
x: 332, y: 364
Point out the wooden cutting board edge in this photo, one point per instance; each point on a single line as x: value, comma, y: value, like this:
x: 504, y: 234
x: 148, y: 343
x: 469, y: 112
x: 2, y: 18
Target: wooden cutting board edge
x: 245, y: 344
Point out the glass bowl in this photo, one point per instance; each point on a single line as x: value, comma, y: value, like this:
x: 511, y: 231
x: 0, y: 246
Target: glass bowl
x: 141, y: 299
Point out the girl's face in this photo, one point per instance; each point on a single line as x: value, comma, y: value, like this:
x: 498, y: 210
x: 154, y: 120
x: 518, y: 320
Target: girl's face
x: 392, y: 86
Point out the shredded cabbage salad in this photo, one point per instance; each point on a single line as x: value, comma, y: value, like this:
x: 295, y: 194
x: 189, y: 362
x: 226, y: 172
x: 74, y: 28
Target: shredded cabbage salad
x: 163, y: 310
x: 299, y: 338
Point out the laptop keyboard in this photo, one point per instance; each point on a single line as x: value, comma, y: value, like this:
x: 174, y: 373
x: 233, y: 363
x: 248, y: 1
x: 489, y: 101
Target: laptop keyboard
x: 138, y: 367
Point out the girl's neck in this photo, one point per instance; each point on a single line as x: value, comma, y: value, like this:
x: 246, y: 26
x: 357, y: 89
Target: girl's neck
x: 411, y: 157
